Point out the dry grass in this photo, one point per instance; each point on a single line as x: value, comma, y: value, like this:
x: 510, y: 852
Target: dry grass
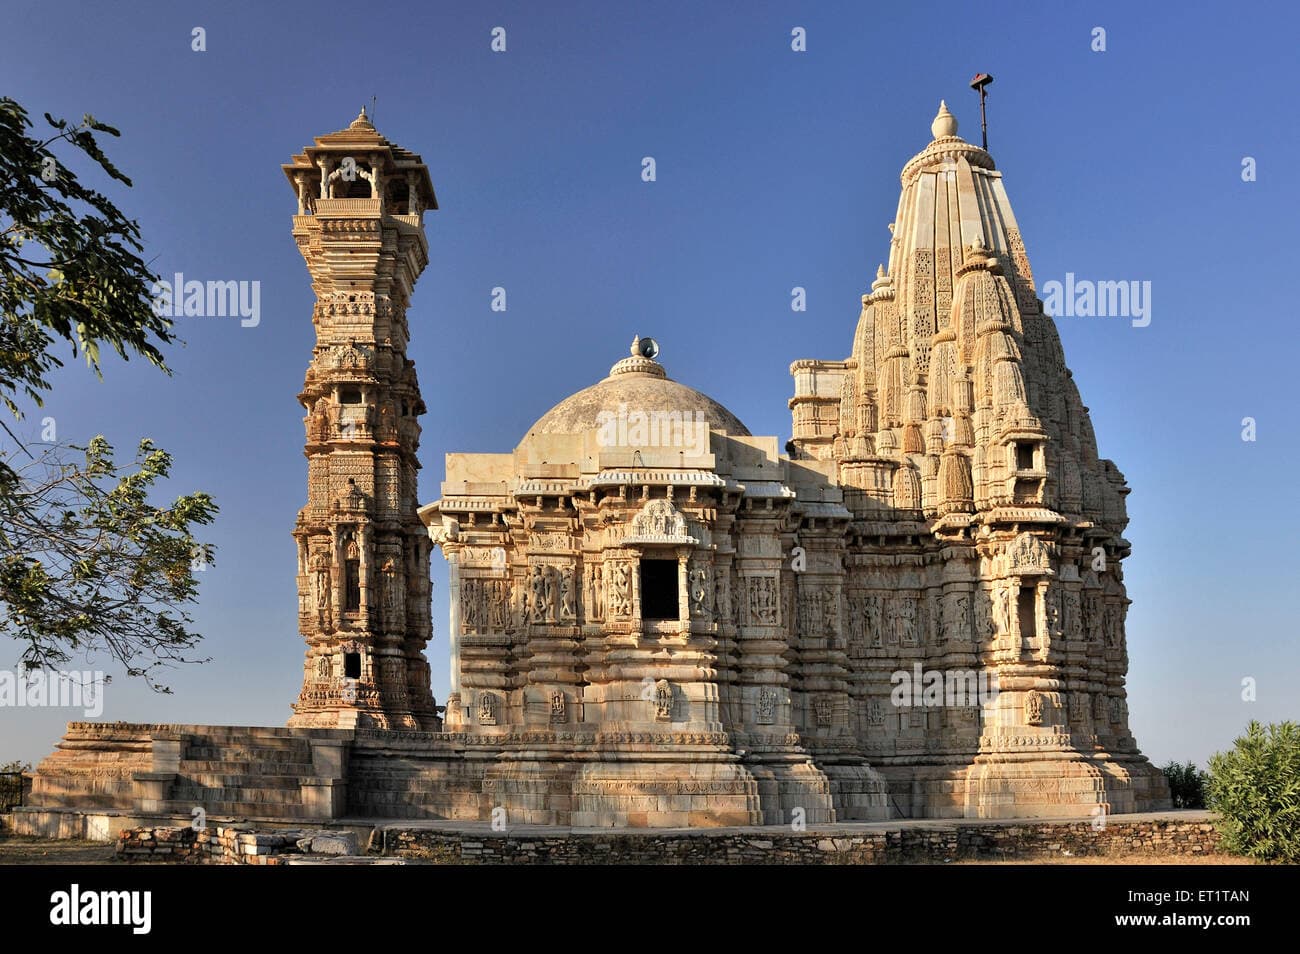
x: 22, y: 850
x: 1184, y: 860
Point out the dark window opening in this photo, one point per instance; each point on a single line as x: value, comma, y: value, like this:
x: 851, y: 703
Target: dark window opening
x: 1028, y: 613
x: 357, y: 188
x: 1024, y: 456
x: 659, y: 589
x: 350, y: 396
x: 352, y: 665
x: 352, y: 601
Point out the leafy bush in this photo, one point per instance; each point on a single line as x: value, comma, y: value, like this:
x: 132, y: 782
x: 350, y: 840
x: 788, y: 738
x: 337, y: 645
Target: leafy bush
x: 1255, y: 788
x: 1186, y: 784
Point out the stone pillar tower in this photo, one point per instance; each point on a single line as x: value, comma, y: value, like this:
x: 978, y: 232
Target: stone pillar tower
x: 363, y: 555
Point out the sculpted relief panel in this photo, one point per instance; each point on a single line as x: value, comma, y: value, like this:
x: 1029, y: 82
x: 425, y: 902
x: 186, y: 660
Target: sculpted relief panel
x: 619, y: 589
x: 595, y: 592
x: 659, y: 522
x: 484, y: 605
x: 700, y: 582
x: 550, y: 593
x: 762, y: 603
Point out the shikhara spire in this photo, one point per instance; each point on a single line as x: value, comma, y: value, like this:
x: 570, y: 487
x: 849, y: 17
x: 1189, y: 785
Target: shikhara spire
x: 967, y: 458
x: 954, y: 354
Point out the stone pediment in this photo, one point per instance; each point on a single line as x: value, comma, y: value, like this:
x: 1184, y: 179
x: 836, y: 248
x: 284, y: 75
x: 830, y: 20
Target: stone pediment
x: 1028, y: 556
x: 350, y: 357
x: 659, y: 522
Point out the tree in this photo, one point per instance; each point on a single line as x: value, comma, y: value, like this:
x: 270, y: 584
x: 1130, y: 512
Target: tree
x: 1186, y: 784
x: 1255, y: 789
x: 87, y: 563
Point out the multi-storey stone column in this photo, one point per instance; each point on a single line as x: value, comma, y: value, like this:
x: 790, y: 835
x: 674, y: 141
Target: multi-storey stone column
x: 817, y: 638
x: 363, y: 555
x: 547, y: 652
x: 791, y: 784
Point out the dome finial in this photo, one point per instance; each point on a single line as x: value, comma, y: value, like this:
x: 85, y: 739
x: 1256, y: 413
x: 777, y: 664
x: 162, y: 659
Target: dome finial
x: 945, y: 123
x: 362, y: 121
x: 644, y: 351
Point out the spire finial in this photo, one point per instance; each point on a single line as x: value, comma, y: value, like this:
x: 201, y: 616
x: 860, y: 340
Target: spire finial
x: 362, y: 121
x: 882, y: 279
x: 945, y: 123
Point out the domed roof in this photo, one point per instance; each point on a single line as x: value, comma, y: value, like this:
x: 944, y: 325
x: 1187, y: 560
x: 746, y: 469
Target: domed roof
x: 638, y: 383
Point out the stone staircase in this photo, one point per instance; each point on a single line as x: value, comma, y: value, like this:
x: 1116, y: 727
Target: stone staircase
x: 232, y: 776
x: 245, y: 772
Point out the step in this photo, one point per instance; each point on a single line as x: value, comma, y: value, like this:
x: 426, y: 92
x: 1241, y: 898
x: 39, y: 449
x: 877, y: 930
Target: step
x: 242, y: 732
x: 246, y: 738
x: 238, y: 743
x: 229, y: 753
x: 249, y: 780
x: 218, y: 810
x: 202, y: 796
x: 243, y: 767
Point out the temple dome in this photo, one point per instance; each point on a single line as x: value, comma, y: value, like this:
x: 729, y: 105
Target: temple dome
x: 637, y: 383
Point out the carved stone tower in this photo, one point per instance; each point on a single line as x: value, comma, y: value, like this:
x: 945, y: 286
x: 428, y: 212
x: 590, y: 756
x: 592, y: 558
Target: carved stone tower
x: 363, y: 554
x: 986, y: 534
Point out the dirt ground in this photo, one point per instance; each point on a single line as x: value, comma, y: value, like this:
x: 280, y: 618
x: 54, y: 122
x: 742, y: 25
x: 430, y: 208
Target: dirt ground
x: 19, y: 850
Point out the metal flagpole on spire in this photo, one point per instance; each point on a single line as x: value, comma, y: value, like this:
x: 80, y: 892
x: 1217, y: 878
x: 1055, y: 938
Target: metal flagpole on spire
x: 980, y: 83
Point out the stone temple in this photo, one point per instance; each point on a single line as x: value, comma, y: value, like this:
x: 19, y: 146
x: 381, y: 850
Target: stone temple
x: 914, y: 609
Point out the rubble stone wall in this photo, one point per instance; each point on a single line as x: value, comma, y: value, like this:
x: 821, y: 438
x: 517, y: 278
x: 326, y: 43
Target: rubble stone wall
x: 240, y: 844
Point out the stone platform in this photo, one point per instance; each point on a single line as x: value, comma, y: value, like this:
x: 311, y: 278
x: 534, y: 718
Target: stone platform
x: 106, y: 776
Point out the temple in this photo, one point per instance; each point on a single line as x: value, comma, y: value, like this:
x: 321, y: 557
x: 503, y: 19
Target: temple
x: 915, y: 608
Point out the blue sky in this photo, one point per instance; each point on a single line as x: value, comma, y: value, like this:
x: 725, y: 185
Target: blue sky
x: 775, y: 169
